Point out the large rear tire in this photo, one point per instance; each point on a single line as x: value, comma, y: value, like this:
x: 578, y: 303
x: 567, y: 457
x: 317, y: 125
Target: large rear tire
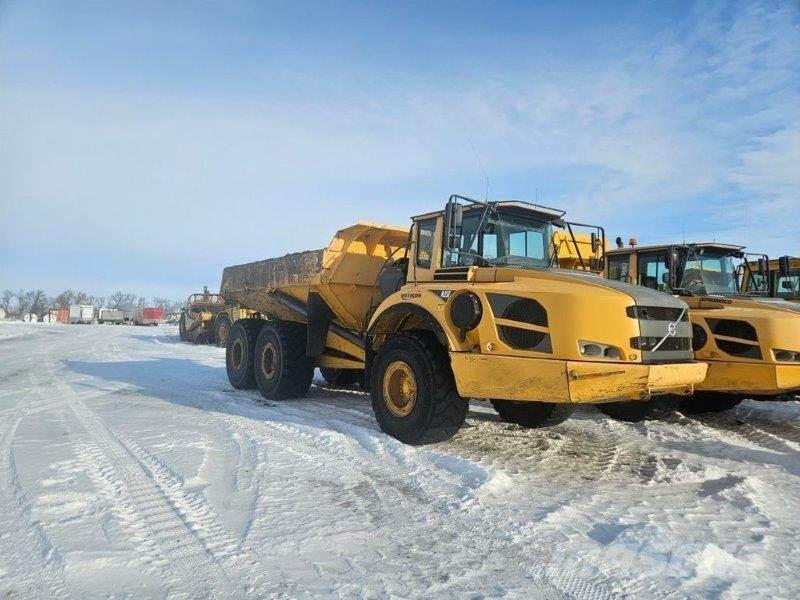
x: 342, y: 377
x: 532, y: 414
x: 709, y: 402
x: 636, y: 411
x: 239, y: 353
x: 414, y: 395
x: 222, y: 330
x: 282, y: 369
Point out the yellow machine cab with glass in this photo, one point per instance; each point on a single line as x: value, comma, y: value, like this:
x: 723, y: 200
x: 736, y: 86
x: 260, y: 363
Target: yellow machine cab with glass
x: 750, y: 341
x: 780, y: 278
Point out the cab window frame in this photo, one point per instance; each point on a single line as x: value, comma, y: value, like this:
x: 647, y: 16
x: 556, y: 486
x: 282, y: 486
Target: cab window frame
x: 422, y: 224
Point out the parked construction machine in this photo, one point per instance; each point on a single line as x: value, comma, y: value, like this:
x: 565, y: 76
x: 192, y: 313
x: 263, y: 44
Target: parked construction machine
x: 750, y: 341
x: 463, y: 305
x: 199, y: 317
x: 779, y: 278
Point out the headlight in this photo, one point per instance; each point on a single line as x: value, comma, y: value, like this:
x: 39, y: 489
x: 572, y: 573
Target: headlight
x: 598, y: 350
x: 786, y: 355
x: 466, y: 311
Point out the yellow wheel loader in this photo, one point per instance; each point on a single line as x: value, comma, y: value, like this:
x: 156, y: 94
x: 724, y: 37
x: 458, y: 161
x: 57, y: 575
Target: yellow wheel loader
x: 750, y: 341
x: 778, y: 278
x: 198, y: 318
x: 465, y: 304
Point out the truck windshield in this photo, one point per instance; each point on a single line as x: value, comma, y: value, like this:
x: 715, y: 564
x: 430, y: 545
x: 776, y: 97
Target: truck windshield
x: 507, y: 237
x: 710, y: 272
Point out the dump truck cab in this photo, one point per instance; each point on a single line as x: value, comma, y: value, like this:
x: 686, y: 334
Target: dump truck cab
x: 198, y: 317
x: 750, y: 341
x: 779, y: 278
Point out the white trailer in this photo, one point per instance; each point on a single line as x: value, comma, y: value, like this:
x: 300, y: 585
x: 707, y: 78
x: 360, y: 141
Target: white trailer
x: 110, y: 315
x: 81, y: 313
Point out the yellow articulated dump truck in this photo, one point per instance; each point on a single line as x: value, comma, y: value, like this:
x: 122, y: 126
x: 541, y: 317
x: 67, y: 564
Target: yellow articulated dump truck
x: 750, y: 341
x: 198, y: 317
x: 779, y: 278
x: 465, y: 304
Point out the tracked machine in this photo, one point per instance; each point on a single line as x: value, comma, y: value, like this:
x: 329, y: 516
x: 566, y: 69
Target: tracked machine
x: 750, y: 341
x: 465, y: 304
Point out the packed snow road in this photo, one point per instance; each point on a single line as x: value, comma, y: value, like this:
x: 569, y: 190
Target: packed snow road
x: 128, y: 466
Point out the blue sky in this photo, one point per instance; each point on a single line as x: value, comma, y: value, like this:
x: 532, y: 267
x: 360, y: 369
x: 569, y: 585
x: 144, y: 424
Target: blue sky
x: 146, y: 145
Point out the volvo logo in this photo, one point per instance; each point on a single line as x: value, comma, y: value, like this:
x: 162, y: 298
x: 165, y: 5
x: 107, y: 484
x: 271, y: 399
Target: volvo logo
x: 672, y: 329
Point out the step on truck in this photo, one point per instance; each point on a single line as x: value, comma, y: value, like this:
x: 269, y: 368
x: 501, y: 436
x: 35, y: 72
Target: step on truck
x: 750, y: 341
x: 465, y: 304
x: 199, y: 318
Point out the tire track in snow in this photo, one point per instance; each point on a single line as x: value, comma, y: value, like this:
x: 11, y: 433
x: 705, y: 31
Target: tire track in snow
x: 422, y: 490
x: 35, y: 568
x: 162, y: 511
x: 736, y: 430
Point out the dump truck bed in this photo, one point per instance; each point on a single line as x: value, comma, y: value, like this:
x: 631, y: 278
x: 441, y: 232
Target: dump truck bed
x: 343, y: 274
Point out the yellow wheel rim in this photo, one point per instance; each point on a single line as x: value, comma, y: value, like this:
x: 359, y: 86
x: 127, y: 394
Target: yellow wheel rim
x: 399, y: 389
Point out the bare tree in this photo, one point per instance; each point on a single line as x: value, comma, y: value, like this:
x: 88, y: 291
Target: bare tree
x: 39, y: 302
x: 99, y: 301
x: 122, y: 301
x: 24, y: 302
x: 161, y: 303
x: 64, y: 299
x: 6, y: 298
x: 142, y: 302
x: 82, y: 298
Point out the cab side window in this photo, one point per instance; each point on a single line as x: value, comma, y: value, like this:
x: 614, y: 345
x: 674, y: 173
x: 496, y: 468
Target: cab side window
x: 653, y: 270
x: 425, y: 233
x: 619, y: 267
x: 788, y: 287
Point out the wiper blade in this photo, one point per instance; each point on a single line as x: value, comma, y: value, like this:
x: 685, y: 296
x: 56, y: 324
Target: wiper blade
x: 478, y: 256
x: 682, y: 292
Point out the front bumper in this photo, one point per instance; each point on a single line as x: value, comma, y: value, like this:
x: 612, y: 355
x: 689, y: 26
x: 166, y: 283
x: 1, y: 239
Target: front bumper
x: 751, y: 378
x: 545, y: 380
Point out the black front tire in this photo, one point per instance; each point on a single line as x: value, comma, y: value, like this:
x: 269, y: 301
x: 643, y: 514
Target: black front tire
x: 709, y: 402
x: 438, y: 410
x: 222, y: 330
x: 532, y: 414
x: 239, y: 353
x: 282, y: 369
x: 636, y: 411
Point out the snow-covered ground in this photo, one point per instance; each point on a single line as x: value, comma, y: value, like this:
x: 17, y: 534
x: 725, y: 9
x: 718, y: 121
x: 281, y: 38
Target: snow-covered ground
x: 128, y: 466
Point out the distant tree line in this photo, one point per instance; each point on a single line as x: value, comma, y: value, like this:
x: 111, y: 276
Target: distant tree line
x: 18, y: 304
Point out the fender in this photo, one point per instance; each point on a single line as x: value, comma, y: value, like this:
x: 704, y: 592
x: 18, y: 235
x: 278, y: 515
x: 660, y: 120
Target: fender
x: 390, y: 319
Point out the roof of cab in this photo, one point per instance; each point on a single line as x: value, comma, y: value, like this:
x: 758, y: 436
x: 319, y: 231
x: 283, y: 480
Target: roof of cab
x: 714, y: 245
x: 554, y: 213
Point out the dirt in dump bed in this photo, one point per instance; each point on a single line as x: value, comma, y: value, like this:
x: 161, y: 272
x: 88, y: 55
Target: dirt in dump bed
x: 271, y: 273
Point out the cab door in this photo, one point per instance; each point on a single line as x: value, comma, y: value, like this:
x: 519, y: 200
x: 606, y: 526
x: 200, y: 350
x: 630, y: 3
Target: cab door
x: 652, y: 270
